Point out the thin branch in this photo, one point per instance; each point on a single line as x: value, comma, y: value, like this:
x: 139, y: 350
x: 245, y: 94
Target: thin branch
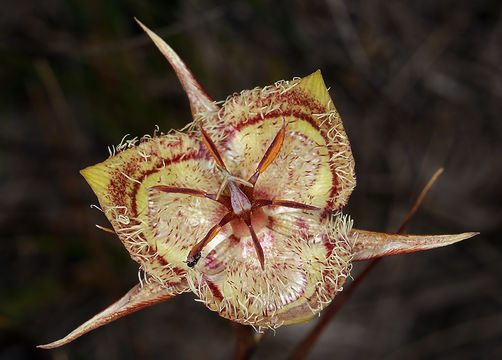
x: 419, y: 200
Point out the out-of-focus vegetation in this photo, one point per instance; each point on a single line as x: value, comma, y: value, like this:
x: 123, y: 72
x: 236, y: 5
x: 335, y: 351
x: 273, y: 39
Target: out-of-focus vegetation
x: 418, y: 84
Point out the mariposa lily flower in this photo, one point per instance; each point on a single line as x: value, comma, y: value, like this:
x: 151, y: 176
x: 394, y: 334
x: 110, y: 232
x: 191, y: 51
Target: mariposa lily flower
x: 243, y: 208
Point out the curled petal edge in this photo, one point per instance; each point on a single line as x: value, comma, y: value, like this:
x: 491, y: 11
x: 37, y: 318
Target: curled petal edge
x: 139, y: 297
x: 371, y: 245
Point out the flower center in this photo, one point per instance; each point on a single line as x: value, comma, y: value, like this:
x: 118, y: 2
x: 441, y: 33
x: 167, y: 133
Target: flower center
x: 243, y: 209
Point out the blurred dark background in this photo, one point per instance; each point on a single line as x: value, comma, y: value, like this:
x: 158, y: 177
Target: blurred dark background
x: 418, y: 84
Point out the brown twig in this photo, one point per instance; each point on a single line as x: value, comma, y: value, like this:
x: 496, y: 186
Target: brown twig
x: 305, y: 346
x: 419, y: 200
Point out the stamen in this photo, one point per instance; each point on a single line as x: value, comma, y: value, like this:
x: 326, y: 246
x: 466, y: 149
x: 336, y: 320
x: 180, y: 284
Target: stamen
x: 195, y: 254
x: 271, y: 153
x: 178, y: 190
x: 285, y: 203
x: 257, y: 246
x: 224, y: 200
x: 211, y: 147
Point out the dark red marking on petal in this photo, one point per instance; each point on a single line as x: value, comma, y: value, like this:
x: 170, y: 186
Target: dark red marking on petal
x: 212, y: 261
x: 302, y: 225
x: 178, y: 271
x: 327, y: 210
x: 119, y: 185
x: 290, y: 99
x: 214, y: 289
x: 329, y: 245
x: 163, y: 262
x: 196, y: 154
x: 121, y: 193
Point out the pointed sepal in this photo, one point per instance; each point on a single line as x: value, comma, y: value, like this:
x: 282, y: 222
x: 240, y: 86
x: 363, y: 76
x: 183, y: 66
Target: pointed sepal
x: 142, y: 295
x: 370, y: 245
x: 200, y: 102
